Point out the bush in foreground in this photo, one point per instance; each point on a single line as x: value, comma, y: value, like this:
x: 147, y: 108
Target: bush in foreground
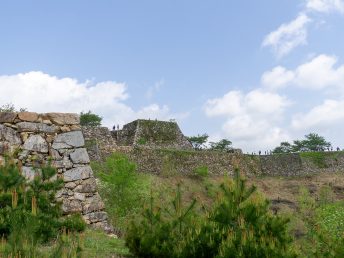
x: 239, y: 225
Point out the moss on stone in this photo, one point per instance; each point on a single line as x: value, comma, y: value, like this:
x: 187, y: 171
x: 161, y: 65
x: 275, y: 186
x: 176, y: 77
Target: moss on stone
x: 158, y: 131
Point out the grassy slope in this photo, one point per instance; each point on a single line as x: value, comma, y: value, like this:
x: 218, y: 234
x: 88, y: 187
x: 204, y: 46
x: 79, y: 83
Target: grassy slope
x: 282, y: 191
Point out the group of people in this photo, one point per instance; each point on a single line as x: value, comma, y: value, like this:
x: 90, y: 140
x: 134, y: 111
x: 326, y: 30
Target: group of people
x: 270, y: 152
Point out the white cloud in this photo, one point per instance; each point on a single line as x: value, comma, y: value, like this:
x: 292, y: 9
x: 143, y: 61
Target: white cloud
x: 277, y: 78
x: 328, y: 114
x: 325, y: 6
x: 288, y: 36
x: 42, y: 92
x: 319, y: 73
x: 251, y: 120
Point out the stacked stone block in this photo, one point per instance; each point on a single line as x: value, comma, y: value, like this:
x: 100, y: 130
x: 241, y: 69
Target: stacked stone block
x: 56, y: 138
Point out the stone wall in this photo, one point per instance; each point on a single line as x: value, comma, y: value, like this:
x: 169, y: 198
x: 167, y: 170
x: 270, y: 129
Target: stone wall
x: 155, y: 158
x: 162, y: 161
x: 39, y: 138
x: 153, y: 134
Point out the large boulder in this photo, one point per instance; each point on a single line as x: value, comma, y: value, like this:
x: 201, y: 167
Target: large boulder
x: 77, y: 173
x: 10, y: 135
x: 80, y: 156
x: 68, y: 140
x: 36, y: 143
x: 36, y: 127
x: 64, y: 118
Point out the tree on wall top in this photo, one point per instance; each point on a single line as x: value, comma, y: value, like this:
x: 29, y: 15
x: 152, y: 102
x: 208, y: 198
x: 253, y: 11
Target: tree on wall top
x: 90, y: 119
x: 198, y: 141
x: 312, y: 142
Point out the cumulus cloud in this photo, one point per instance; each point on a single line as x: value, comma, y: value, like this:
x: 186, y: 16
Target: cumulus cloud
x: 41, y: 92
x: 317, y: 74
x: 277, y: 78
x: 325, y: 6
x: 288, y: 36
x: 251, y: 119
x: 328, y: 114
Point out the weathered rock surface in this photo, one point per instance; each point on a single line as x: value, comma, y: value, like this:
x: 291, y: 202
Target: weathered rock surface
x: 36, y: 127
x: 71, y: 206
x: 95, y: 217
x: 36, y: 143
x: 28, y: 116
x: 7, y: 117
x: 68, y: 140
x: 10, y: 135
x: 77, y: 173
x: 93, y: 203
x: 64, y: 118
x: 80, y: 156
x: 87, y: 186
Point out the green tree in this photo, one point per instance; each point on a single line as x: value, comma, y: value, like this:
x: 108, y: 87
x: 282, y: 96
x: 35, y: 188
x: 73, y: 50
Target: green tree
x: 239, y: 225
x: 222, y: 145
x: 198, y: 141
x: 90, y: 119
x: 315, y: 142
x: 285, y: 147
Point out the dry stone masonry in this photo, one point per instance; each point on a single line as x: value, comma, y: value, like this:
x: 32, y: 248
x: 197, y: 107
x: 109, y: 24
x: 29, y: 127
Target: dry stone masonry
x: 55, y: 137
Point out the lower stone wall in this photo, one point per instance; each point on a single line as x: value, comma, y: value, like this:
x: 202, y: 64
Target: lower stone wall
x: 40, y: 138
x: 164, y: 161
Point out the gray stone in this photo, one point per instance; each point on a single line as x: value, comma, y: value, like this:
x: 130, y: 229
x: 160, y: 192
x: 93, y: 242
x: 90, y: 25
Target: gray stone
x: 96, y: 216
x: 55, y: 154
x: 70, y: 185
x: 80, y: 156
x: 23, y: 154
x: 36, y: 127
x: 64, y: 118
x: 77, y: 173
x: 92, y: 204
x: 79, y: 196
x: 68, y: 140
x: 10, y: 135
x: 36, y: 143
x: 7, y: 117
x: 65, y: 163
x: 4, y: 147
x: 87, y: 186
x: 70, y: 206
x: 29, y: 173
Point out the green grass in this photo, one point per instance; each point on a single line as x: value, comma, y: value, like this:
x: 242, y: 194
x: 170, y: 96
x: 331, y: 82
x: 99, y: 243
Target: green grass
x: 331, y: 218
x: 317, y: 158
x: 98, y: 244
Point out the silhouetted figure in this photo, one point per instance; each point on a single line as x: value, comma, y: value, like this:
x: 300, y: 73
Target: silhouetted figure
x: 259, y: 152
x: 117, y: 127
x: 114, y: 128
x: 338, y: 149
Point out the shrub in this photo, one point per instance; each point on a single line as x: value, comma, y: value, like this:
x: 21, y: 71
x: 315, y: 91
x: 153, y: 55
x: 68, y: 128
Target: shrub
x: 239, y: 225
x: 201, y: 171
x: 90, y: 119
x: 122, y: 188
x: 29, y: 213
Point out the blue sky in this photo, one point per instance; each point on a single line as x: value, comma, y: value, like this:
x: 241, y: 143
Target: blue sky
x: 255, y: 72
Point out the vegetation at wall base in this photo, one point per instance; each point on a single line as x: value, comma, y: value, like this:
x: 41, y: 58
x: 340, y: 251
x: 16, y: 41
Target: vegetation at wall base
x: 29, y: 213
x: 239, y: 225
x: 122, y: 188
